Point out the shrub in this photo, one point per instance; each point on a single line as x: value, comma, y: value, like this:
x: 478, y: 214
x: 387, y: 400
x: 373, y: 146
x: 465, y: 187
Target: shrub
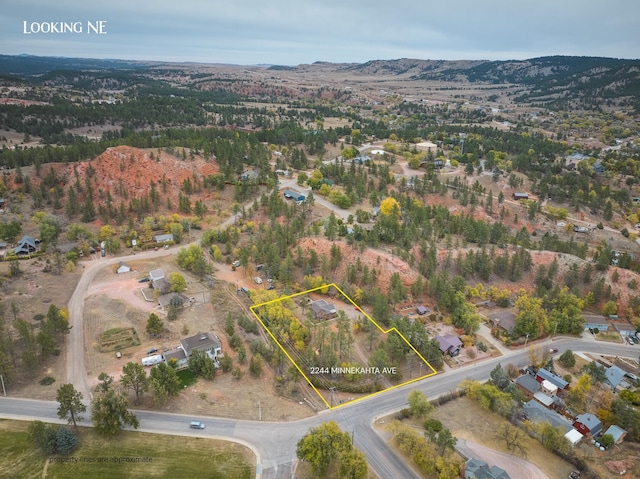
x: 47, y: 381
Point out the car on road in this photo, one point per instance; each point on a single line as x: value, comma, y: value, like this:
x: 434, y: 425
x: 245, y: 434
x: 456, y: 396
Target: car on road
x: 553, y: 350
x: 196, y: 425
x: 152, y: 350
x: 258, y: 280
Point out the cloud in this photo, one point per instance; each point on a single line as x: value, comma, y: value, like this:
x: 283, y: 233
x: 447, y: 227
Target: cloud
x: 292, y: 32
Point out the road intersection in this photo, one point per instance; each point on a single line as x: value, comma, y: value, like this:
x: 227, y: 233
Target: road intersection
x: 274, y: 443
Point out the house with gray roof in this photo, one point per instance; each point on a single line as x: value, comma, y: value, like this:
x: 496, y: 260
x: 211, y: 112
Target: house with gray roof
x: 165, y: 238
x: 544, y: 374
x: 537, y: 413
x: 503, y: 319
x: 528, y: 385
x: 207, y: 342
x: 615, y: 376
x: 27, y: 245
x: 165, y: 300
x: 323, y: 309
x: 588, y: 424
x: 477, y: 469
x: 617, y: 433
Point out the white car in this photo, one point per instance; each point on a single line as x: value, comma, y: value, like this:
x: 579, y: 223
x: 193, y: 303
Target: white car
x: 638, y: 226
x: 258, y: 280
x: 561, y: 224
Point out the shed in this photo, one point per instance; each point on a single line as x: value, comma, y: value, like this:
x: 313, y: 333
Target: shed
x: 574, y: 436
x: 617, y: 432
x: 422, y: 310
x: 123, y: 268
x: 520, y: 196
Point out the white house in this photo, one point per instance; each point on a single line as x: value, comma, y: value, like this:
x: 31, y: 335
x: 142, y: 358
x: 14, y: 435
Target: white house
x: 207, y: 342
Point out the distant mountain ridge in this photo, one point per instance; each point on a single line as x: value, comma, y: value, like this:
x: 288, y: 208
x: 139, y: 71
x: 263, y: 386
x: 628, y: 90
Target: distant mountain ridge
x: 553, y: 81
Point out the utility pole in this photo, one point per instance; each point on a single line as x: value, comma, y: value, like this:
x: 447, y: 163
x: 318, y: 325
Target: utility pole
x: 259, y: 411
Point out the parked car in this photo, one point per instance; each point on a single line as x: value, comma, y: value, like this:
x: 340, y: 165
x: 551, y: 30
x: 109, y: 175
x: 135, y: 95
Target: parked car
x: 196, y: 425
x: 118, y: 354
x: 258, y: 280
x: 144, y: 280
x: 271, y: 286
x: 152, y: 350
x: 236, y: 264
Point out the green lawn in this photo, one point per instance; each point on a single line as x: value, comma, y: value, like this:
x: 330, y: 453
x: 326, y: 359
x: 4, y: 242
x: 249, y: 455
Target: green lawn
x: 128, y: 455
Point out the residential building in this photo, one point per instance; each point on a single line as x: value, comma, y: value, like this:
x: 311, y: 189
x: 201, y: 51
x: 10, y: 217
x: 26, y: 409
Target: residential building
x: 165, y: 238
x: 27, y: 245
x: 617, y: 432
x: 528, y: 385
x: 165, y: 300
x: 537, y: 413
x: 588, y: 424
x: 477, y: 469
x: 615, y: 376
x: 323, y: 309
x: 156, y: 274
x: 543, y: 374
x: 207, y: 342
x: 595, y: 321
x: 449, y: 344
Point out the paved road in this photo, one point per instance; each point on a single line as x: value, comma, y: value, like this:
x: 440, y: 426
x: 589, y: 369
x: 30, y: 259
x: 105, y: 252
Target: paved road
x: 274, y: 443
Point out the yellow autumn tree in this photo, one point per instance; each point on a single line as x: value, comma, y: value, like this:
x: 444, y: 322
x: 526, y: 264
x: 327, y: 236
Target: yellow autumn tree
x: 390, y: 206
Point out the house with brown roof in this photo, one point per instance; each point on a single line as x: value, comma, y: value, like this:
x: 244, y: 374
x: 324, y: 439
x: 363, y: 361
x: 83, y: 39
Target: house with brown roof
x: 449, y: 344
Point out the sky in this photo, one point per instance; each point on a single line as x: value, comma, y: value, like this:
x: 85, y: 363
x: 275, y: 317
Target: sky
x: 292, y: 32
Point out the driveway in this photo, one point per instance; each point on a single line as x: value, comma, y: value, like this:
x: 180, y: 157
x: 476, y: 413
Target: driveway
x: 513, y: 465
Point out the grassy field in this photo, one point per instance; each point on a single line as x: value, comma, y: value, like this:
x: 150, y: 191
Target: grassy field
x: 128, y: 455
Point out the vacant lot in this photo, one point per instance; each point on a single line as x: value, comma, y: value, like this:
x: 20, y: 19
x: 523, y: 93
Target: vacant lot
x: 164, y: 456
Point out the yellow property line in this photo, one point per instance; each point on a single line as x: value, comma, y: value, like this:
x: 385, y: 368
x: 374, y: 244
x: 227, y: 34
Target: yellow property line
x: 384, y: 331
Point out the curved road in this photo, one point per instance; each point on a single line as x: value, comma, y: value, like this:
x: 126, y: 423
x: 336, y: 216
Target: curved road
x: 275, y: 443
